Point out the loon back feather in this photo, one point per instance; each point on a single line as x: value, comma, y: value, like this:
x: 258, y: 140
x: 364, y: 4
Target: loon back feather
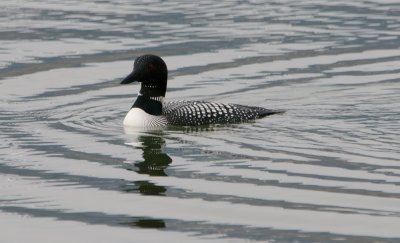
x: 195, y: 113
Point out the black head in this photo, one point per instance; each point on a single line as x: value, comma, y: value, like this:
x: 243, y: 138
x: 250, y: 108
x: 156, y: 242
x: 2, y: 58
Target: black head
x: 152, y: 72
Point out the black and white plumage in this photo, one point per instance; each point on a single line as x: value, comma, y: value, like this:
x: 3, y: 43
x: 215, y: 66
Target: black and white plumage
x: 150, y: 110
x: 194, y: 113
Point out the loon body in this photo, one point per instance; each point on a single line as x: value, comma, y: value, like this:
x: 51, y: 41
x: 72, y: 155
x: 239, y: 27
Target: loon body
x: 150, y: 110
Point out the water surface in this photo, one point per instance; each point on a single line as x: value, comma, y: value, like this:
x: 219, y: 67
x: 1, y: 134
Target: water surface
x: 327, y: 170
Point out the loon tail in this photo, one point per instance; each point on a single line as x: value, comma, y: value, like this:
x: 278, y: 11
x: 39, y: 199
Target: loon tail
x: 267, y: 112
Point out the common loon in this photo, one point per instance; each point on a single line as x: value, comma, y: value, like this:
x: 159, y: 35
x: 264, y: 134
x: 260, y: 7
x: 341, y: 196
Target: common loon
x: 150, y: 110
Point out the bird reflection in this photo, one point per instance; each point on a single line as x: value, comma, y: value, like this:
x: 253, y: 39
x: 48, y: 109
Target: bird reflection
x: 154, y: 163
x: 145, y: 223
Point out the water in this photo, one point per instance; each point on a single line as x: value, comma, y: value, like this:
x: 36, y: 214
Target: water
x: 327, y: 170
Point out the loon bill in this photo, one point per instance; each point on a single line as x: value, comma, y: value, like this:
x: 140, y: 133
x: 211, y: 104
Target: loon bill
x: 150, y: 110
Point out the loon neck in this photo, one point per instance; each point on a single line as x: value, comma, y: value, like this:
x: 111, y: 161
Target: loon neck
x: 150, y: 104
x: 153, y: 90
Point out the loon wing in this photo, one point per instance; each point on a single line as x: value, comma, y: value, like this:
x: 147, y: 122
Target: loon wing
x: 195, y: 113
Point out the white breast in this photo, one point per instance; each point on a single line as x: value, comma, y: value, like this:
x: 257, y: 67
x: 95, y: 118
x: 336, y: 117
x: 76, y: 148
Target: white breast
x: 137, y: 117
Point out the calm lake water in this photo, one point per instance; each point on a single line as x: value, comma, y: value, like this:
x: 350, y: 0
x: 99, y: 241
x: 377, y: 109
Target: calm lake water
x: 327, y: 170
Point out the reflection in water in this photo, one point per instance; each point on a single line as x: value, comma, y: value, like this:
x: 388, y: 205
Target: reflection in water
x: 146, y: 223
x: 154, y: 163
x: 145, y: 188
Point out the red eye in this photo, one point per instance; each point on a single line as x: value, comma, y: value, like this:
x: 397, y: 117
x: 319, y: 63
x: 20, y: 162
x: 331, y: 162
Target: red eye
x: 151, y: 67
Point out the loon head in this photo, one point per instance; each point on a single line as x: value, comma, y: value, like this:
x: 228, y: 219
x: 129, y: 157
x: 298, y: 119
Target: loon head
x: 152, y: 72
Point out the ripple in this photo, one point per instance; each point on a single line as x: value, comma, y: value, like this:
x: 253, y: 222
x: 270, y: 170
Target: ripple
x: 66, y: 160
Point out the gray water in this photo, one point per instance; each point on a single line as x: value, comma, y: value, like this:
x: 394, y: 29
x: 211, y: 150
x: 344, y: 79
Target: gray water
x: 327, y: 170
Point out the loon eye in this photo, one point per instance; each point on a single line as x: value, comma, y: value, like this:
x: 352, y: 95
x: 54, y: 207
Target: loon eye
x: 151, y: 67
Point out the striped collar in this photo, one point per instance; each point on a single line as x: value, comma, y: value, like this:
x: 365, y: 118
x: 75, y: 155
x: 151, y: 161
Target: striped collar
x: 151, y: 105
